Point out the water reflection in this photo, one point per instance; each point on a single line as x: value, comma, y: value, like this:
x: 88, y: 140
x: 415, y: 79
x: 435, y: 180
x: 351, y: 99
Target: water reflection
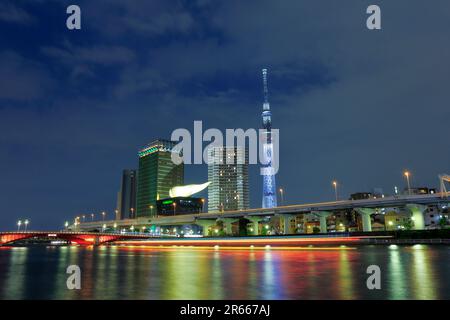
x: 15, y: 280
x: 425, y: 284
x: 408, y: 272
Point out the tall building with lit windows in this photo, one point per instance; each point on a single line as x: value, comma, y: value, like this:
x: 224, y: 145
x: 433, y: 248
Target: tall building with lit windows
x: 157, y: 174
x: 228, y: 175
x: 126, y: 197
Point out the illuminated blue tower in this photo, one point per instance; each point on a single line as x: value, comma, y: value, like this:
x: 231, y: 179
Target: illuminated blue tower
x: 269, y: 199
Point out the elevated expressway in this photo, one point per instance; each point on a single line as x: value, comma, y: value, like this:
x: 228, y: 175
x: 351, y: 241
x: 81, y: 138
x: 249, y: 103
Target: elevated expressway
x: 415, y: 204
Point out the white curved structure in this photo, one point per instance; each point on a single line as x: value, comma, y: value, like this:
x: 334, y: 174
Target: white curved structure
x: 188, y: 190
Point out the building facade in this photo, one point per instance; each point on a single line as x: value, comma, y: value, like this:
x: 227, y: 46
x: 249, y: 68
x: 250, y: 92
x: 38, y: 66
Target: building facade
x: 156, y: 176
x: 126, y: 197
x: 179, y: 206
x: 228, y: 177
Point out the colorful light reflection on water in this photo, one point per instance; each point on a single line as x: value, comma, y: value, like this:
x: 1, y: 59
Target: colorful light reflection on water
x: 114, y: 272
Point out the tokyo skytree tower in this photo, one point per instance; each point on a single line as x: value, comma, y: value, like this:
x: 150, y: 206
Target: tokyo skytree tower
x: 269, y: 199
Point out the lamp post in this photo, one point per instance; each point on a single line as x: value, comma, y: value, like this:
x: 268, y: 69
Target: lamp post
x: 103, y: 215
x: 84, y: 217
x: 19, y: 223
x: 203, y: 204
x: 132, y: 213
x: 407, y: 174
x: 115, y: 227
x: 66, y: 224
x: 335, y: 189
x: 282, y: 196
x: 174, y: 208
x: 92, y: 216
x: 26, y: 224
x: 151, y: 210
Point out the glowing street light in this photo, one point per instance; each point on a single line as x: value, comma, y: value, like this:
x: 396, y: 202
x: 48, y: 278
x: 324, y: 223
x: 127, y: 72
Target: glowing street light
x: 103, y: 215
x: 282, y: 195
x: 84, y: 217
x: 335, y: 189
x: 66, y: 224
x: 115, y: 226
x: 132, y: 213
x: 26, y: 224
x: 92, y: 216
x: 203, y: 204
x: 104, y: 227
x: 151, y: 209
x: 174, y: 208
x: 19, y: 223
x: 407, y: 174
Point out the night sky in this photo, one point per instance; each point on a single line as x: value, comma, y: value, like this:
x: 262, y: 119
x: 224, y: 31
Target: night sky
x: 354, y: 105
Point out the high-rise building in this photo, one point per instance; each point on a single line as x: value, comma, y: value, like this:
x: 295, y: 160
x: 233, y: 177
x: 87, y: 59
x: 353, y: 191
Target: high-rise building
x: 156, y: 176
x: 228, y: 175
x: 269, y: 199
x: 126, y: 197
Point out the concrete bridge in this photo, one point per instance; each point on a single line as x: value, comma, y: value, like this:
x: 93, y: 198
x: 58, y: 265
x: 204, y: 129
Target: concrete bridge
x: 415, y: 204
x: 81, y: 238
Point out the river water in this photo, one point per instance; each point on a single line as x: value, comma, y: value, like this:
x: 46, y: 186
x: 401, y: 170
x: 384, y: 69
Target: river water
x: 119, y: 272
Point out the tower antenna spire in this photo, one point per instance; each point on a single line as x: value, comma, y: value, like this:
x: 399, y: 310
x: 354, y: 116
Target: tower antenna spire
x: 265, y: 87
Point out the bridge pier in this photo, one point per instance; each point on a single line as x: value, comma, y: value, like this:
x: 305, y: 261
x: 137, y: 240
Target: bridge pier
x: 417, y: 215
x: 254, y: 224
x: 365, y: 215
x: 323, y: 215
x: 205, y: 224
x: 227, y: 225
x: 287, y: 223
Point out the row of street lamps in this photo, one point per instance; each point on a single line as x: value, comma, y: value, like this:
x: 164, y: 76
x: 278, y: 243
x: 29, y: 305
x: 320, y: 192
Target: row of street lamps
x: 77, y: 218
x: 20, y: 223
x: 407, y: 174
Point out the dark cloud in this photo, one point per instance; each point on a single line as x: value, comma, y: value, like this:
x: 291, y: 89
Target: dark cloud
x: 22, y: 79
x: 11, y: 13
x: 98, y: 54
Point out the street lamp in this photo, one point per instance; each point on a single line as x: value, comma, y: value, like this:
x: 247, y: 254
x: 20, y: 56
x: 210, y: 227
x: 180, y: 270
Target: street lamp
x: 282, y: 196
x: 407, y: 174
x: 92, y: 216
x: 103, y: 215
x: 104, y: 227
x: 174, y: 208
x: 203, y: 204
x: 132, y: 228
x: 115, y: 227
x: 66, y: 225
x: 335, y: 189
x: 26, y: 224
x: 132, y: 213
x: 19, y: 223
x: 151, y: 210
x: 84, y: 218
